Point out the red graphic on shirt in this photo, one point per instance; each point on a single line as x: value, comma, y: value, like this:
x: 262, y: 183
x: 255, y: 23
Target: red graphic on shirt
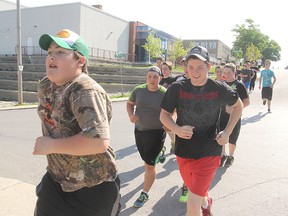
x: 48, y: 113
x: 203, y: 97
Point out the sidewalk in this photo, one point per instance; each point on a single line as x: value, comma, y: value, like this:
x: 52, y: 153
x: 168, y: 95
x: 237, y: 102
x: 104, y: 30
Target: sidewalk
x: 10, y: 105
x: 16, y: 198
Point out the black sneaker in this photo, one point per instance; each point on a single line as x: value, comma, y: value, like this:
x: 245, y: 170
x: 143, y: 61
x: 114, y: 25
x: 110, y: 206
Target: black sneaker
x: 264, y: 102
x: 269, y: 110
x: 223, y: 159
x: 229, y: 161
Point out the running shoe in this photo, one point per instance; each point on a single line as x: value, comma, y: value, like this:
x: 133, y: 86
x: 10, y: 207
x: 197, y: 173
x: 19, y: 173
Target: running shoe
x: 207, y: 211
x: 229, y: 161
x: 264, y: 102
x: 141, y: 200
x: 161, y: 156
x: 184, y: 195
x: 172, y: 150
x: 223, y: 159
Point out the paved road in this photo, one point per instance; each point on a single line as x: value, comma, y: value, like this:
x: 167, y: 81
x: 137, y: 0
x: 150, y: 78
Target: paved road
x: 256, y: 184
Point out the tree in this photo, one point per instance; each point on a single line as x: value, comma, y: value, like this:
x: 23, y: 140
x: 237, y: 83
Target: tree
x: 152, y: 46
x: 237, y: 54
x: 253, y: 53
x: 271, y: 51
x: 191, y: 45
x: 177, y: 51
x: 251, y: 34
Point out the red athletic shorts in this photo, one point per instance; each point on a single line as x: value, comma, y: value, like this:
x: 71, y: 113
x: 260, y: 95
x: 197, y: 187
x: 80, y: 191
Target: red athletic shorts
x: 198, y: 174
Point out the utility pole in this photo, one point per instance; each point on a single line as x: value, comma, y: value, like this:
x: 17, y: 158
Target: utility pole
x: 19, y: 54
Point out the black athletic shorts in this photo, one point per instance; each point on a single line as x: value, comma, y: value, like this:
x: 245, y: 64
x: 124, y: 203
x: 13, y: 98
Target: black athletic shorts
x: 102, y: 199
x: 149, y: 144
x: 236, y: 131
x: 267, y: 93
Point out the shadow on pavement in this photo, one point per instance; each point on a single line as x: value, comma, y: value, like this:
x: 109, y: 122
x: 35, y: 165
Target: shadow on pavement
x: 218, y: 176
x: 169, y: 167
x: 169, y: 204
x: 128, y: 176
x: 122, y: 153
x: 126, y: 198
x: 254, y: 118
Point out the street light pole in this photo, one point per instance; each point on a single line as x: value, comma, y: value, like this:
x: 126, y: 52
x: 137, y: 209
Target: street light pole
x: 19, y: 54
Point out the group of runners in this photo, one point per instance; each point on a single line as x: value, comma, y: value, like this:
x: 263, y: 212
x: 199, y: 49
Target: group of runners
x: 75, y: 112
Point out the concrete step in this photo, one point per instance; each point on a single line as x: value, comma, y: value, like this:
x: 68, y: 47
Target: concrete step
x: 114, y: 78
x: 31, y: 96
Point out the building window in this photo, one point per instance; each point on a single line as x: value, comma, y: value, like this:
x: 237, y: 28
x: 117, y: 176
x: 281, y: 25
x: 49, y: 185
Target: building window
x: 204, y: 44
x: 212, y: 45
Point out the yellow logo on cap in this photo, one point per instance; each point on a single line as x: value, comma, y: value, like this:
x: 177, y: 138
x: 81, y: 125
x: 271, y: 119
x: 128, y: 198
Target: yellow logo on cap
x: 63, y: 34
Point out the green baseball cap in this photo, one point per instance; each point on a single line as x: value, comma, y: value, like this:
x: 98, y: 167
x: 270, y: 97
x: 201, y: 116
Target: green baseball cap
x: 66, y: 39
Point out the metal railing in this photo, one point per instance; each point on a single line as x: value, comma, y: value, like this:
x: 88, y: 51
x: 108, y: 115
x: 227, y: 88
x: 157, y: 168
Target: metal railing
x: 93, y: 52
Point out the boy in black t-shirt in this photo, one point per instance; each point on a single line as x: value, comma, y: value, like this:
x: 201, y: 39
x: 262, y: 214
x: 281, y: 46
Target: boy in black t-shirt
x: 198, y: 143
x: 229, y: 72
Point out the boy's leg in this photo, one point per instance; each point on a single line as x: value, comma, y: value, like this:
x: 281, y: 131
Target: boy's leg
x: 198, y: 175
x: 51, y: 199
x: 194, y: 204
x: 269, y: 105
x: 102, y: 199
x: 149, y: 177
x: 97, y: 200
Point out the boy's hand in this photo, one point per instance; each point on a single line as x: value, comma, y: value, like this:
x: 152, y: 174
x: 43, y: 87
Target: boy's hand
x: 222, y: 138
x: 185, y: 132
x: 133, y: 118
x: 42, y: 146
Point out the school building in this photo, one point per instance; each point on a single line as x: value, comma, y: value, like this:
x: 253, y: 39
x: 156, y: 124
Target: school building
x: 109, y: 37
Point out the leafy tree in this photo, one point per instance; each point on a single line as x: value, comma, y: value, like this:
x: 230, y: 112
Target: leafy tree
x: 177, y: 51
x: 251, y: 34
x: 191, y: 45
x: 237, y: 54
x: 271, y: 51
x: 152, y: 46
x: 253, y: 53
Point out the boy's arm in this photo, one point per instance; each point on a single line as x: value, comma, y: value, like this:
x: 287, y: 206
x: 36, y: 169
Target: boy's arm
x: 130, y: 110
x: 260, y: 81
x: 184, y: 132
x: 236, y: 111
x: 75, y: 145
x: 246, y: 102
x: 167, y: 120
x: 274, y: 80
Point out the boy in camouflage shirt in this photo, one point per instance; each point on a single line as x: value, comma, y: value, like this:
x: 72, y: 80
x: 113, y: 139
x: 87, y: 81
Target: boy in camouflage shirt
x: 75, y: 112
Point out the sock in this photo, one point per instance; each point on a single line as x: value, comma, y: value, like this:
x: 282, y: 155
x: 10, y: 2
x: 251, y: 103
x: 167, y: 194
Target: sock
x: 205, y: 205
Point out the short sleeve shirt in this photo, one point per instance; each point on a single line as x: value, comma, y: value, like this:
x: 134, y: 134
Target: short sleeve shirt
x: 78, y: 107
x: 198, y: 106
x: 147, y: 107
x: 248, y: 73
x: 166, y: 82
x: 242, y: 92
x: 266, y: 76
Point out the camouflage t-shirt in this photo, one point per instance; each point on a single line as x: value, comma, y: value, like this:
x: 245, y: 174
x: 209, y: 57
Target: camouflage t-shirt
x: 78, y: 107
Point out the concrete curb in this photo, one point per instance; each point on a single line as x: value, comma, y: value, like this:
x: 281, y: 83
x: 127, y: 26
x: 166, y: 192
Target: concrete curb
x: 7, y: 105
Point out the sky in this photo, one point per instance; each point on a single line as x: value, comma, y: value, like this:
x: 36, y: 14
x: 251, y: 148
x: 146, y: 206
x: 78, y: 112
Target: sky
x: 187, y: 19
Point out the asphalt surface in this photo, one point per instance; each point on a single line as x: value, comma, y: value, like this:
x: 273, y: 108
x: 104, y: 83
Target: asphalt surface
x: 255, y: 185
